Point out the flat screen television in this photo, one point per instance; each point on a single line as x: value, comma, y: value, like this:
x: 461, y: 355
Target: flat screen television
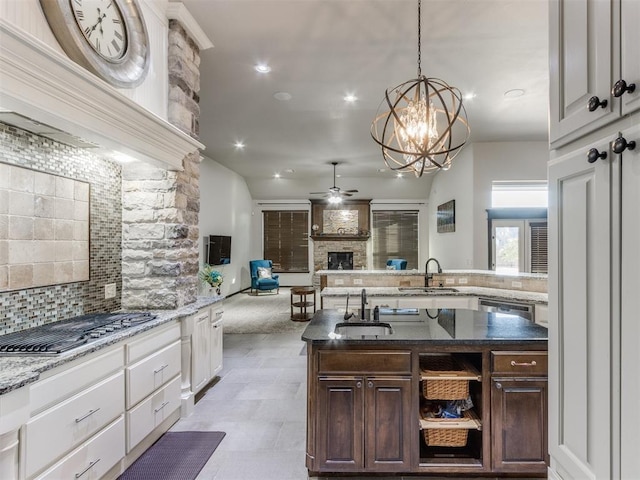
x: 217, y: 249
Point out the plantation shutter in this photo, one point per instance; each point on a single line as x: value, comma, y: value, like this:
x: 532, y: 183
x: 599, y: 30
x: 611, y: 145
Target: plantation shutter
x: 395, y: 235
x: 286, y: 240
x: 539, y: 247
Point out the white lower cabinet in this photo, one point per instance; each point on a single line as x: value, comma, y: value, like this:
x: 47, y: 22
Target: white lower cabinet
x: 151, y: 412
x: 94, y: 458
x: 54, y: 432
x: 206, y: 347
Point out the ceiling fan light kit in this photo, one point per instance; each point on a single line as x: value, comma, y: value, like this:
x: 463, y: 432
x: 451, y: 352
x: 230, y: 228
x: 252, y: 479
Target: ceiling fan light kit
x: 335, y: 194
x: 421, y: 124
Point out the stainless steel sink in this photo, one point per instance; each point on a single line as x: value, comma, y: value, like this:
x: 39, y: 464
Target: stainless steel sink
x: 359, y: 329
x: 428, y: 289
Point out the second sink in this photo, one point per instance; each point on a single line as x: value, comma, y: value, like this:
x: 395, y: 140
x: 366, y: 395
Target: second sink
x: 359, y: 329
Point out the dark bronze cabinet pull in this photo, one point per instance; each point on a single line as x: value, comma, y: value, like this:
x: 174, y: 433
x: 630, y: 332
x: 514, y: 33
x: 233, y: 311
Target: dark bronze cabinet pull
x: 594, y: 103
x: 593, y: 155
x: 620, y: 144
x: 620, y: 87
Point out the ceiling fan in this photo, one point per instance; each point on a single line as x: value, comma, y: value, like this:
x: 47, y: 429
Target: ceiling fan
x: 334, y: 193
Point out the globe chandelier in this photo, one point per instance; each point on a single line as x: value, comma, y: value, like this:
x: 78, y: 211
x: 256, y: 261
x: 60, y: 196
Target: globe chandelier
x: 421, y: 124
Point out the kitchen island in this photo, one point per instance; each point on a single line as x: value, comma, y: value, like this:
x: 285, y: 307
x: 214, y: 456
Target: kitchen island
x: 371, y: 393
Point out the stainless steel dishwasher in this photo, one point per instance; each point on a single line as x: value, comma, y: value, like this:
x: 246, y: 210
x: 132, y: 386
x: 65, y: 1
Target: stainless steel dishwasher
x: 525, y: 310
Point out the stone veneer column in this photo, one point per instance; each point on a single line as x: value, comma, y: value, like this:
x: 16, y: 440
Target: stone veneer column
x: 160, y: 207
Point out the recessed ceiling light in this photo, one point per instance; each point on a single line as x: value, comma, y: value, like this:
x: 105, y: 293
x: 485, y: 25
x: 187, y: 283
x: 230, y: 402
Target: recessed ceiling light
x: 276, y: 175
x: 398, y: 175
x: 350, y: 98
x: 239, y: 145
x: 514, y: 93
x: 282, y: 96
x: 469, y: 96
x: 262, y: 68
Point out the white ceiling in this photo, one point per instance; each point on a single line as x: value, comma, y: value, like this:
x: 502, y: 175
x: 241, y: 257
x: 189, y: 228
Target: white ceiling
x: 321, y: 50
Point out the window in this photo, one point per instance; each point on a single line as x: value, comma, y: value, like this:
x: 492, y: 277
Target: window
x: 286, y: 240
x: 520, y: 194
x: 395, y: 235
x: 518, y: 240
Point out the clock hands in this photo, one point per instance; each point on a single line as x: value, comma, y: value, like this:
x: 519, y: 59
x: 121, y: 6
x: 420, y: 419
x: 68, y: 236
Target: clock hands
x: 89, y: 31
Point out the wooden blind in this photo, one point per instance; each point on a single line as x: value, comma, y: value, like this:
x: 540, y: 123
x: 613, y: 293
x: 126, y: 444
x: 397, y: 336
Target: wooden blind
x: 395, y: 235
x: 286, y: 240
x: 539, y: 247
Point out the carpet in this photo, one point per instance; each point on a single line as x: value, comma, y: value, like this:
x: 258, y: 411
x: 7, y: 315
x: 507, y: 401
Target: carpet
x: 175, y: 456
x: 264, y: 313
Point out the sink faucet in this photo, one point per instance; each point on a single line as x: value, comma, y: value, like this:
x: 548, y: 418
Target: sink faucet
x: 428, y: 276
x: 363, y: 303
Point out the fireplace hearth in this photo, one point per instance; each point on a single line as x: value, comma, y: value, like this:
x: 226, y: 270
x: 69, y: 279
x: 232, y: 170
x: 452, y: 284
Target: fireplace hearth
x: 340, y: 260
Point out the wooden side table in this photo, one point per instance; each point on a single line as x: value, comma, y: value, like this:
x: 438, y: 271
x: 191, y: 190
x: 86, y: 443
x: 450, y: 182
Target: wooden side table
x: 302, y: 303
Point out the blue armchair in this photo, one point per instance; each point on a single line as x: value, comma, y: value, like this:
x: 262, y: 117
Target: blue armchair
x: 397, y: 263
x: 263, y: 279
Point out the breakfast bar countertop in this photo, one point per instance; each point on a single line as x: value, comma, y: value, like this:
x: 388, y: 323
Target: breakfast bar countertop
x: 485, y: 292
x: 443, y: 327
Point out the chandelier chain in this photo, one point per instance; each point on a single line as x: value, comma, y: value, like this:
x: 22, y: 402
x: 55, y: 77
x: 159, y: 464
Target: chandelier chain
x: 419, y: 38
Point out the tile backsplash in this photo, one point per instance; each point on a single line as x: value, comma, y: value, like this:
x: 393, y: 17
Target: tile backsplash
x: 26, y: 307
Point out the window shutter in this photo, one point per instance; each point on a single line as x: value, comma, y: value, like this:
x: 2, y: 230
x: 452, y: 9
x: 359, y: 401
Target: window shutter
x: 539, y: 247
x: 286, y: 240
x: 395, y: 235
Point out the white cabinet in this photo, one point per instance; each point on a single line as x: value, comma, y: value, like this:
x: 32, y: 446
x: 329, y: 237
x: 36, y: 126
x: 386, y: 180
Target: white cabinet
x: 206, y: 347
x: 443, y: 301
x: 593, y: 45
x: 593, y: 336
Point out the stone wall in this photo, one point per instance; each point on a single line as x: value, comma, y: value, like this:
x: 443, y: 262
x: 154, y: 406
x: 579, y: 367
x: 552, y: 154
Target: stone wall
x: 160, y: 207
x: 322, y: 247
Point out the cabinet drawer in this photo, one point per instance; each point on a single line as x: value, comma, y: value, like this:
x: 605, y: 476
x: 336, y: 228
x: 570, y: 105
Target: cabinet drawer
x: 59, y: 429
x: 153, y: 342
x: 334, y: 361
x: 94, y: 458
x: 68, y: 382
x: 519, y: 363
x: 151, y: 373
x: 151, y: 412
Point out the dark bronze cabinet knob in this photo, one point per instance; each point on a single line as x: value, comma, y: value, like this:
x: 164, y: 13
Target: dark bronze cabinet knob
x: 594, y: 155
x: 620, y: 87
x: 620, y: 144
x: 594, y: 103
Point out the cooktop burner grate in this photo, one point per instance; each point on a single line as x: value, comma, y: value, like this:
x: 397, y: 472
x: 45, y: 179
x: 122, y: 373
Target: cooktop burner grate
x: 65, y: 335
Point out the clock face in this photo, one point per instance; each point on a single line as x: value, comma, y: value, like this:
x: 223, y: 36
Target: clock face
x: 103, y: 27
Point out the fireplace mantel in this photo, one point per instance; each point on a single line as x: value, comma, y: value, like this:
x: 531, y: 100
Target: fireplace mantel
x: 338, y: 236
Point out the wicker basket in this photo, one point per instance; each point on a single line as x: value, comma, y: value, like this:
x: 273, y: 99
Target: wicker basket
x: 448, y: 432
x: 443, y: 378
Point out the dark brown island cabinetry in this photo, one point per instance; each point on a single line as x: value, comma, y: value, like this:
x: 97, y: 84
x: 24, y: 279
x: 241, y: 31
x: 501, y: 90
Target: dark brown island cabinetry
x: 370, y: 406
x: 518, y: 399
x: 364, y: 420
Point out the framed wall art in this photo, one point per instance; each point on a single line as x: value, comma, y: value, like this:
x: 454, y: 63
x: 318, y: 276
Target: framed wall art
x: 446, y: 219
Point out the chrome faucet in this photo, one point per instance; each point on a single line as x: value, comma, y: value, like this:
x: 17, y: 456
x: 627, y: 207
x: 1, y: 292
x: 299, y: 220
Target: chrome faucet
x: 363, y: 303
x: 428, y: 276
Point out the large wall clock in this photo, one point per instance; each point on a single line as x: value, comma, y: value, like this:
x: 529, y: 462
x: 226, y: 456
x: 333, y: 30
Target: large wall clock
x: 107, y: 37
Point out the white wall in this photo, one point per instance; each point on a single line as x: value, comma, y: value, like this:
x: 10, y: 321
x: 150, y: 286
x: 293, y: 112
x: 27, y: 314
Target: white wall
x: 454, y: 250
x: 226, y: 209
x: 501, y: 161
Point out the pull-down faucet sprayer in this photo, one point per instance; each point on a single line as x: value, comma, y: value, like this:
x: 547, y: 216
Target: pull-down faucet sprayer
x: 428, y: 276
x: 363, y: 303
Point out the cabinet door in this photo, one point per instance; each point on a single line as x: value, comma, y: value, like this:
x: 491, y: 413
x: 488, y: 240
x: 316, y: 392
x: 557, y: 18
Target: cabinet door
x: 216, y: 347
x: 580, y: 322
x: 200, y: 360
x: 582, y: 63
x: 630, y: 37
x: 388, y: 433
x: 340, y: 424
x: 630, y: 328
x: 518, y: 425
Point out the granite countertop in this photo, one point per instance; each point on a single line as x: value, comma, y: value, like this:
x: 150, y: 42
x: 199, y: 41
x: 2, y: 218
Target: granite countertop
x: 484, y: 292
x: 19, y: 370
x: 395, y: 273
x: 421, y: 273
x: 448, y: 327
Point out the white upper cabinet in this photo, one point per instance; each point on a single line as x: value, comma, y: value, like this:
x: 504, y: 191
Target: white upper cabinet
x: 593, y: 47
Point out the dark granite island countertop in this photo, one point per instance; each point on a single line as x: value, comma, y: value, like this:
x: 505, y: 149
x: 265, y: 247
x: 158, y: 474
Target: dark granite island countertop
x: 446, y: 327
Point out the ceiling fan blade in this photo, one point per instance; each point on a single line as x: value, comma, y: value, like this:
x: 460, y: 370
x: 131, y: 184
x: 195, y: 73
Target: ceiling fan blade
x: 350, y: 191
x: 345, y: 194
x: 317, y: 193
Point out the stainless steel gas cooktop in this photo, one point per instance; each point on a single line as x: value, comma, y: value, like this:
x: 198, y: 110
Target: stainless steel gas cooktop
x: 58, y: 337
